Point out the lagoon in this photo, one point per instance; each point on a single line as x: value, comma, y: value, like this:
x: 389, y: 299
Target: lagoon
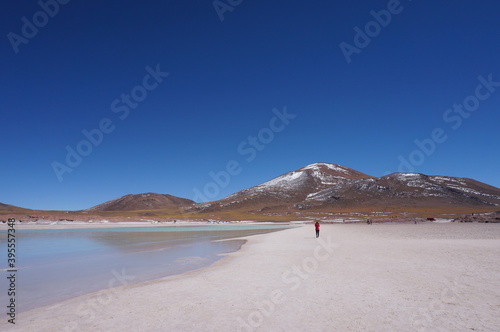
x: 59, y: 264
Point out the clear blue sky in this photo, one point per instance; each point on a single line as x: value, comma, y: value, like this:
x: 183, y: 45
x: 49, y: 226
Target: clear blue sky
x: 225, y: 78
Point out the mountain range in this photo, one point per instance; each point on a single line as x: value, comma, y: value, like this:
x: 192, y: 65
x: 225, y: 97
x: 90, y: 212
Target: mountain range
x: 319, y: 188
x: 329, y: 187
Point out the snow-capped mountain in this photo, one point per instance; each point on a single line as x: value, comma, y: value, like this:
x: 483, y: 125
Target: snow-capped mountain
x: 299, y: 184
x: 292, y: 187
x: 323, y: 185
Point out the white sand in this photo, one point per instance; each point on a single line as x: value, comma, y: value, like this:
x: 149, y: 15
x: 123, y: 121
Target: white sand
x: 389, y: 277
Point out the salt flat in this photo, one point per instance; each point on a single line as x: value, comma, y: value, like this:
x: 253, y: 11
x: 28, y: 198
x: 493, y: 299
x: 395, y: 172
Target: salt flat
x: 355, y: 277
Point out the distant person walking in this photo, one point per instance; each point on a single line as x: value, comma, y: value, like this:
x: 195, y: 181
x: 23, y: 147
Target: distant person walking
x: 316, y: 227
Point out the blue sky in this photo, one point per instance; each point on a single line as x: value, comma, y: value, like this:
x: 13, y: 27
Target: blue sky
x: 379, y: 101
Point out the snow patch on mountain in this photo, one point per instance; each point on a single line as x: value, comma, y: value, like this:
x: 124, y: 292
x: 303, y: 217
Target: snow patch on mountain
x: 444, y: 179
x: 288, y: 180
x: 319, y: 166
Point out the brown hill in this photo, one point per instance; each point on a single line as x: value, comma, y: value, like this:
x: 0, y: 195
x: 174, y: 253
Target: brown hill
x: 146, y: 201
x: 6, y: 208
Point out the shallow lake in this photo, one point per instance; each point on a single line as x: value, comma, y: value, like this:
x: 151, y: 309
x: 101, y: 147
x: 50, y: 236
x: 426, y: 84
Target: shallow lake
x: 55, y: 265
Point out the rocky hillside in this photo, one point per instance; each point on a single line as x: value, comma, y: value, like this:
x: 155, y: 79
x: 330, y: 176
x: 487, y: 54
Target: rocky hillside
x: 409, y: 189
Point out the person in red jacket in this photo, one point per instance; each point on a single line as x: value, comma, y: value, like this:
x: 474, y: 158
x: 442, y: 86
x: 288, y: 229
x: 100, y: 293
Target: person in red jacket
x: 317, y: 226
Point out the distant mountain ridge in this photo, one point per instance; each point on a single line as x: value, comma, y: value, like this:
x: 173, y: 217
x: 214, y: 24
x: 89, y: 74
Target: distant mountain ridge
x: 319, y: 187
x: 146, y: 201
x: 410, y: 189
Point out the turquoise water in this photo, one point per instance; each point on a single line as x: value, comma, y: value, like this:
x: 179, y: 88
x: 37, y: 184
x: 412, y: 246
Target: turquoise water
x: 55, y: 265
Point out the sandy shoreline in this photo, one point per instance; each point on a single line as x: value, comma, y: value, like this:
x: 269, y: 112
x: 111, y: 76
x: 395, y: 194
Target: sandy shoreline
x: 385, y: 277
